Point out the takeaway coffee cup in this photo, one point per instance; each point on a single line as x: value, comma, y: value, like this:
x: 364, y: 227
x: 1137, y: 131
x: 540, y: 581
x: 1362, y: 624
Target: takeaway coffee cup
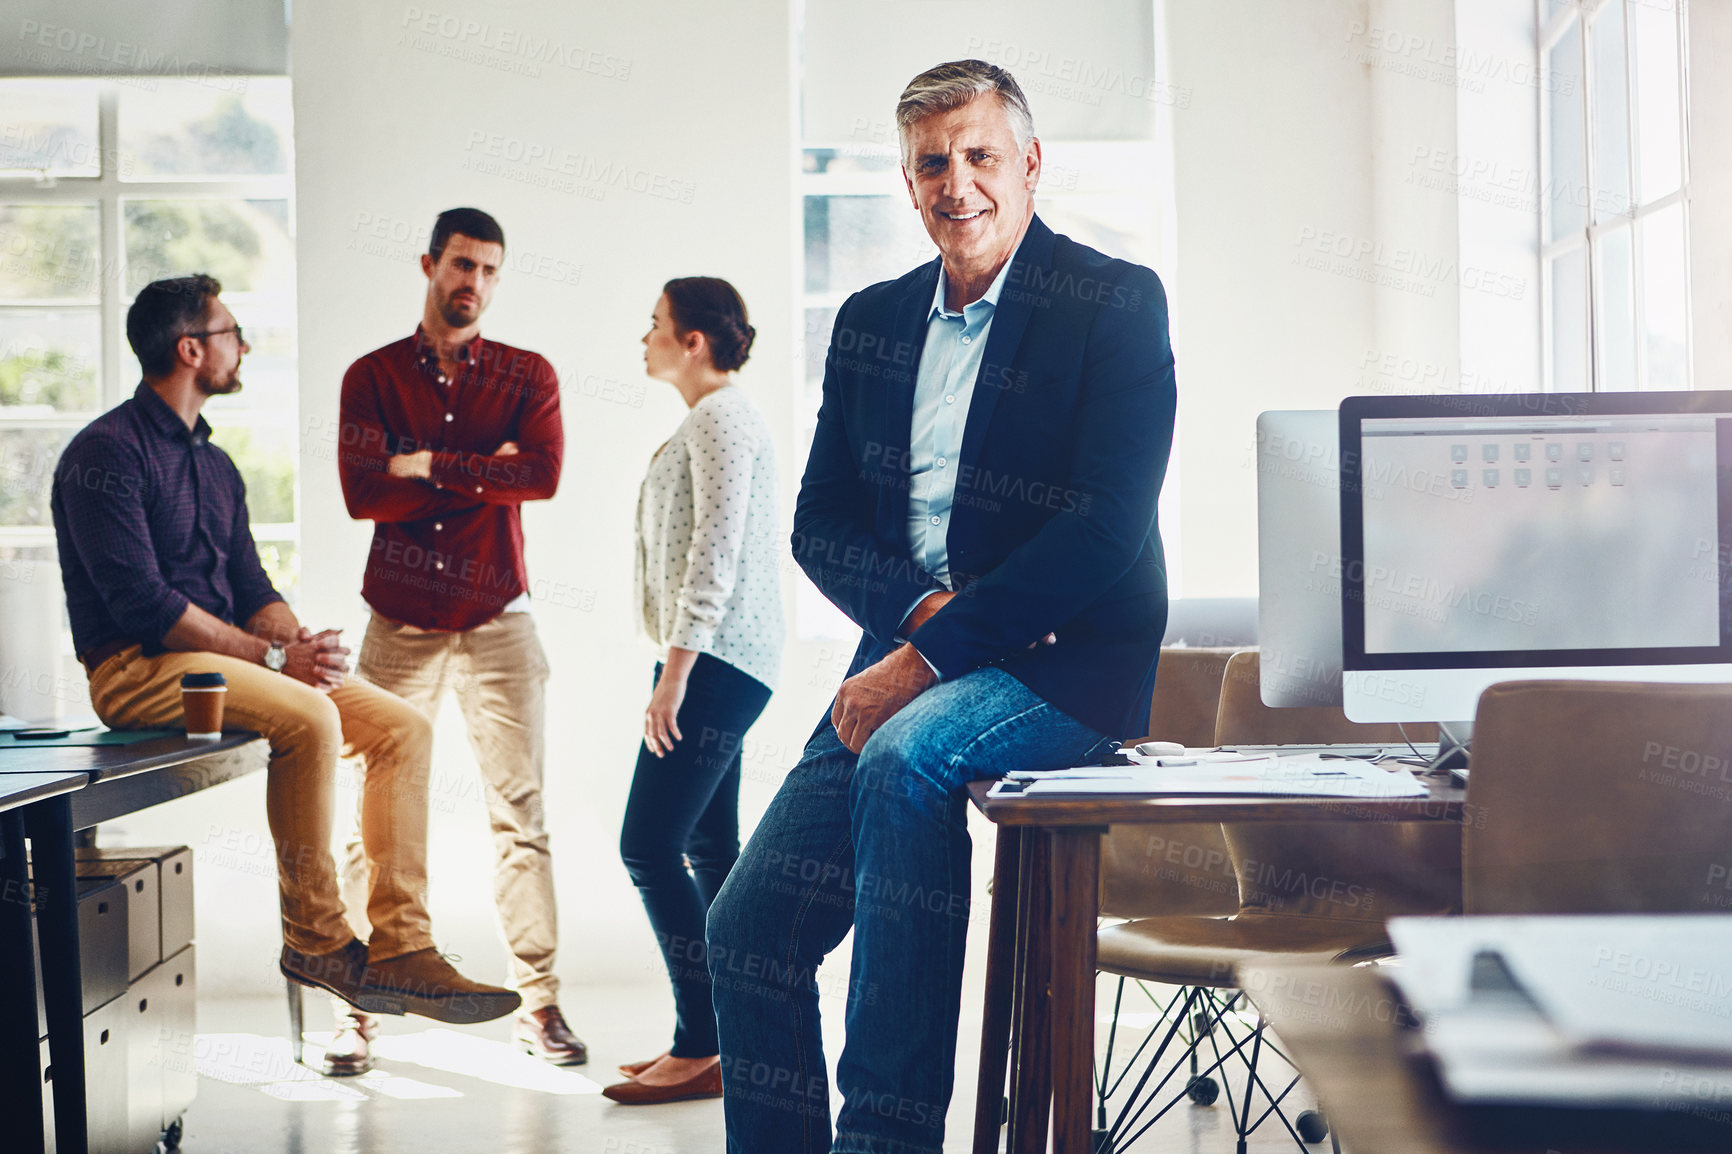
x: 201, y: 700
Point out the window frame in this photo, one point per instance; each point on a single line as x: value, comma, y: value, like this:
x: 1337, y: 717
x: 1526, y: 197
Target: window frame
x: 1579, y: 14
x: 110, y: 194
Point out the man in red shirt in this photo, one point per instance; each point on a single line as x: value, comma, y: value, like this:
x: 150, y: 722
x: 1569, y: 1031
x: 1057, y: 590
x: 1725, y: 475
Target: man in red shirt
x: 444, y: 436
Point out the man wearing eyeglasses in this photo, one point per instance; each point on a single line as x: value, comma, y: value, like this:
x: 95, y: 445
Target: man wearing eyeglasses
x: 162, y: 579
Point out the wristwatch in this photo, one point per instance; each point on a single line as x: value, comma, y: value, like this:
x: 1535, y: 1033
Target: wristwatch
x: 276, y: 657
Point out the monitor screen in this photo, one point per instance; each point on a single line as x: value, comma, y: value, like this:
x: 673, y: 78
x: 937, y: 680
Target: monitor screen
x: 1523, y: 535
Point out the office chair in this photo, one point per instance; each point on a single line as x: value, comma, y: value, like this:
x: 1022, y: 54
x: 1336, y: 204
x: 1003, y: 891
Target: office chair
x: 1375, y: 870
x: 1599, y: 797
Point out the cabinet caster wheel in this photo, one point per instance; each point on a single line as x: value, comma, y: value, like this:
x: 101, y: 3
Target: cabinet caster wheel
x: 1203, y: 1090
x: 171, y: 1136
x: 1312, y: 1125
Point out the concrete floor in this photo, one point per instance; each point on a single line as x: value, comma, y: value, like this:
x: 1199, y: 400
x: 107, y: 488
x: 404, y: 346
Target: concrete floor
x: 459, y: 1090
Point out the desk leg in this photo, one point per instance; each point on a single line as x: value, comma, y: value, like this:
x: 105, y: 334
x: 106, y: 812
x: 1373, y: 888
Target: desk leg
x: 1000, y: 990
x: 49, y: 824
x: 1031, y: 1046
x: 20, y: 1060
x: 1076, y: 866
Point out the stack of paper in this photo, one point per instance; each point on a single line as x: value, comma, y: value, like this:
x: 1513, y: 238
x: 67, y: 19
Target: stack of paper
x: 1626, y: 1011
x: 1230, y: 774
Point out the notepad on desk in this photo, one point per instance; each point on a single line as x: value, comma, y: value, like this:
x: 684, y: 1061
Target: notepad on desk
x: 1230, y: 775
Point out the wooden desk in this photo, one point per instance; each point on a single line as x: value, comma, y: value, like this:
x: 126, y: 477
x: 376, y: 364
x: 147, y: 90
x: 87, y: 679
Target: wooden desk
x: 121, y: 779
x: 1040, y: 961
x: 1349, y: 1034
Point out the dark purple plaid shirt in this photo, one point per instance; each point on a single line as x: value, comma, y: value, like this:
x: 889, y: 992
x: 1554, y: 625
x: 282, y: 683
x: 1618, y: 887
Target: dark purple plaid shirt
x: 151, y: 516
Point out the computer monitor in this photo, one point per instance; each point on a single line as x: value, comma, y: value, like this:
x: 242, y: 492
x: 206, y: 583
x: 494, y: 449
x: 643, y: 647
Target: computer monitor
x: 1299, y: 557
x: 1495, y: 538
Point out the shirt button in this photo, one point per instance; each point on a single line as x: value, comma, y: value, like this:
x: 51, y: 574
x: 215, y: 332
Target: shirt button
x: 936, y: 520
x: 438, y: 526
x: 438, y: 564
x: 449, y: 417
x: 442, y: 378
x: 968, y: 340
x: 950, y: 400
x: 478, y: 488
x: 941, y: 462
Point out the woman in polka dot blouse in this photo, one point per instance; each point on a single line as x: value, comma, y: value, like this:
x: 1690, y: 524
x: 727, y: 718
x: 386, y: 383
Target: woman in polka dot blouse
x: 708, y: 542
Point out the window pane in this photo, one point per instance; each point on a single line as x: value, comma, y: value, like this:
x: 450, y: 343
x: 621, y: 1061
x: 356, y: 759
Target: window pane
x: 1659, y: 101
x: 1570, y: 323
x: 183, y: 130
x: 27, y: 459
x: 243, y: 243
x: 1611, y: 112
x: 1614, y: 321
x: 854, y: 241
x: 1665, y: 298
x: 49, y: 361
x: 820, y: 322
x: 282, y: 562
x: 48, y: 252
x: 266, y: 459
x: 48, y: 128
x: 1568, y: 177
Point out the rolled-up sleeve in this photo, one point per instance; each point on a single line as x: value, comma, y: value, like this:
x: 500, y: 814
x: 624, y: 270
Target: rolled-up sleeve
x: 101, y: 487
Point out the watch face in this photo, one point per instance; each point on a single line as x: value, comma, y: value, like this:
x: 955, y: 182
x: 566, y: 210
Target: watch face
x: 276, y: 658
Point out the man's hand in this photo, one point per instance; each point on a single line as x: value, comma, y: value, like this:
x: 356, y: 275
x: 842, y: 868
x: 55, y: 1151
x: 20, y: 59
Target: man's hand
x: 416, y: 465
x: 508, y: 449
x: 874, y: 695
x: 318, y: 659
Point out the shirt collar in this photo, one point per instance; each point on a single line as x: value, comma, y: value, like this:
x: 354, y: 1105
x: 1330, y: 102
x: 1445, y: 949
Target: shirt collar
x: 465, y: 353
x: 166, y: 420
x: 988, y: 302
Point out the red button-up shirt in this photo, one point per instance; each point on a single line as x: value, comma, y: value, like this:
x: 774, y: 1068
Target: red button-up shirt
x: 448, y: 552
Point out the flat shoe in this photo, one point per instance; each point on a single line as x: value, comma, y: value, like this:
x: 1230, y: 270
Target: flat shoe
x: 633, y: 1069
x: 707, y: 1083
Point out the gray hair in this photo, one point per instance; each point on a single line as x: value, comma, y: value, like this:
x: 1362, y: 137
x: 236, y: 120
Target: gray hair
x: 949, y: 86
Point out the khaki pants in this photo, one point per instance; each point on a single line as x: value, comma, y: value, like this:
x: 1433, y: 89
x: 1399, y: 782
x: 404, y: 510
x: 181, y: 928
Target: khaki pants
x: 307, y: 731
x: 499, y: 674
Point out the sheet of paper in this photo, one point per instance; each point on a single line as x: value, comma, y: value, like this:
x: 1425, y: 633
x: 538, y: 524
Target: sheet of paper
x: 1303, y: 775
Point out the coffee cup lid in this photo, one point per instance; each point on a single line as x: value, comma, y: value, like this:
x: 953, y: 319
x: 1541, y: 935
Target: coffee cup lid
x: 203, y: 681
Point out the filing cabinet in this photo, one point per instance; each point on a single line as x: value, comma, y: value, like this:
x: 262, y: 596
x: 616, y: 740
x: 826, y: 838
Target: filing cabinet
x: 138, y: 882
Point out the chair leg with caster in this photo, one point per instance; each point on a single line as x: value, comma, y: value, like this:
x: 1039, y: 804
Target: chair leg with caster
x: 295, y: 1021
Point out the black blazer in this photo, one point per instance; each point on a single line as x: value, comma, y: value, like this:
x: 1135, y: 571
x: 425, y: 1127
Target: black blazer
x: 1053, y: 528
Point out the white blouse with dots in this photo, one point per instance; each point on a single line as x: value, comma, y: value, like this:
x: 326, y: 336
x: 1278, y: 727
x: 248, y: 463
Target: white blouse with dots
x: 709, y: 540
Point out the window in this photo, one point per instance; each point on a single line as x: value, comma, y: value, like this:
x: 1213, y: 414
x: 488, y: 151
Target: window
x: 1616, y: 177
x: 105, y: 186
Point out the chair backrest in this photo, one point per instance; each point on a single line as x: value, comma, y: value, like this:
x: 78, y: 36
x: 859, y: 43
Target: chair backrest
x: 1361, y: 871
x: 1157, y: 870
x: 1600, y: 797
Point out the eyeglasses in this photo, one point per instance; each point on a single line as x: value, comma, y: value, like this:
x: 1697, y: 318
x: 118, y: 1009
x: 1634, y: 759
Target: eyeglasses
x: 239, y: 339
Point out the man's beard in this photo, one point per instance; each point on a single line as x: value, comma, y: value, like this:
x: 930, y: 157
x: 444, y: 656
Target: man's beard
x: 211, y: 387
x: 455, y: 317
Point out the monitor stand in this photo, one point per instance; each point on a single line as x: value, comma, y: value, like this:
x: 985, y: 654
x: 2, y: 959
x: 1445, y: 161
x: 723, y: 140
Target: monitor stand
x: 1453, y: 738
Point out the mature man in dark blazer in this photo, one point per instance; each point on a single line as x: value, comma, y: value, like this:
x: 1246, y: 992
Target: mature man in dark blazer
x: 980, y: 500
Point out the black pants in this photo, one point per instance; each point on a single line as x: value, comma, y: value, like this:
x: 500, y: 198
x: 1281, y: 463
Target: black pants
x: 685, y: 807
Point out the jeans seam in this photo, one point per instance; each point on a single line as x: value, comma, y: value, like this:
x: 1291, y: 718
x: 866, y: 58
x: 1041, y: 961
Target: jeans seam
x: 806, y: 904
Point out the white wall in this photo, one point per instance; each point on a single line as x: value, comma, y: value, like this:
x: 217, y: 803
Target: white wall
x: 1327, y: 248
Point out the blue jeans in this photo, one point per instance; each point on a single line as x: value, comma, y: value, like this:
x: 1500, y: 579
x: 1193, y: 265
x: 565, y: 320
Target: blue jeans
x: 685, y: 808
x: 877, y: 844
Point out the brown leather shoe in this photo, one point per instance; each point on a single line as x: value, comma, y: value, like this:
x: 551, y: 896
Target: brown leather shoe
x: 350, y: 1052
x: 544, y: 1033
x: 340, y: 971
x: 707, y: 1083
x: 633, y: 1069
x: 425, y: 983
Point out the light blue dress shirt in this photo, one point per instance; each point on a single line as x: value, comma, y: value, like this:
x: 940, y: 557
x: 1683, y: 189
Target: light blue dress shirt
x: 943, y: 390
